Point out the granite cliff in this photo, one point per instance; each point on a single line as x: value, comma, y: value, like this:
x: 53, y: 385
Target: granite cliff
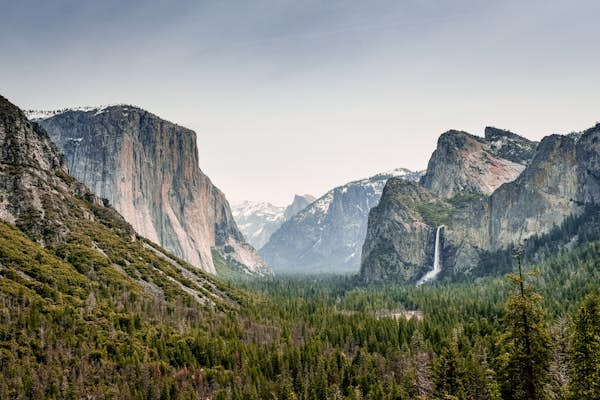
x: 399, y: 240
x: 494, y: 193
x: 147, y: 169
x: 464, y: 163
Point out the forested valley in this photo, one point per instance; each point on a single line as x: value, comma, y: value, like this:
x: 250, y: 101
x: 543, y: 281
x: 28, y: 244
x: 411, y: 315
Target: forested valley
x: 300, y: 337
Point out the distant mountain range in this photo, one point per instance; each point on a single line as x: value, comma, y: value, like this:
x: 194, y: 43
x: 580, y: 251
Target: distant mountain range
x: 258, y: 220
x: 327, y: 235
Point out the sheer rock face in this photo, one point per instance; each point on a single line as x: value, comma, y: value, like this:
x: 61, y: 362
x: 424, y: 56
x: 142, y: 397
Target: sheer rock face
x: 588, y: 161
x: 463, y: 163
x: 540, y: 198
x: 327, y: 236
x: 148, y: 170
x: 398, y: 241
x: 561, y: 177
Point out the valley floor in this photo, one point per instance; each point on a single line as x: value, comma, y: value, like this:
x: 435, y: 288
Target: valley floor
x: 301, y: 338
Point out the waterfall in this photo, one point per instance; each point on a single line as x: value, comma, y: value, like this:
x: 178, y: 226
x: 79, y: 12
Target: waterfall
x: 437, y: 265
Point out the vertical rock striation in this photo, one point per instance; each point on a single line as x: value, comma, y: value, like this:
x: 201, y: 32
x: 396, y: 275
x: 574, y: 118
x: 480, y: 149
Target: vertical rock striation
x: 148, y: 170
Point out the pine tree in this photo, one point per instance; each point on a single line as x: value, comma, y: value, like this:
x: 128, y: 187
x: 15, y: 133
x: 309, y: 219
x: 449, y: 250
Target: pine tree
x: 448, y: 373
x: 421, y: 366
x: 482, y: 377
x: 526, y: 344
x: 286, y: 391
x: 559, y: 366
x: 585, y: 351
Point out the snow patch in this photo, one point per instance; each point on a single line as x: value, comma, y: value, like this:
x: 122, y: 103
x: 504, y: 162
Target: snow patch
x: 34, y: 115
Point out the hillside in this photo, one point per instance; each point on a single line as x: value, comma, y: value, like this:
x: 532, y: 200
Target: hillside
x: 80, y: 292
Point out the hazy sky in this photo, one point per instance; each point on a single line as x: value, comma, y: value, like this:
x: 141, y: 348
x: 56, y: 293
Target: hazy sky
x: 301, y: 96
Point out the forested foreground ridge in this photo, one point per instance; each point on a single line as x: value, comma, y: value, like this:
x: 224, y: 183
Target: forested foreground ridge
x: 89, y: 309
x: 66, y: 334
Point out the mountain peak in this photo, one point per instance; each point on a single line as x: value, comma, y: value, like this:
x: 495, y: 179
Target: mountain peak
x: 457, y: 136
x: 305, y: 196
x: 493, y: 133
x: 298, y: 204
x: 466, y: 163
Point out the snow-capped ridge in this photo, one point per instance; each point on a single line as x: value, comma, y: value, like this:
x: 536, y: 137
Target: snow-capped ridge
x: 258, y: 220
x: 45, y: 114
x: 327, y: 235
x: 375, y: 182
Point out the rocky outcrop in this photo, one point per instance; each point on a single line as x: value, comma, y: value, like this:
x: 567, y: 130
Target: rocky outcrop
x: 327, y: 236
x: 258, y: 220
x: 34, y: 179
x: 463, y: 163
x: 510, y: 146
x: 399, y: 241
x: 148, y: 170
x: 557, y: 181
x: 540, y: 198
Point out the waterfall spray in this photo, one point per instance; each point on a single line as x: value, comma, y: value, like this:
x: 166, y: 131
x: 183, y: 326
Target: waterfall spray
x: 437, y: 263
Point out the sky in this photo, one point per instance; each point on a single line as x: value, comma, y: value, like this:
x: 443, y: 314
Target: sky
x: 301, y: 96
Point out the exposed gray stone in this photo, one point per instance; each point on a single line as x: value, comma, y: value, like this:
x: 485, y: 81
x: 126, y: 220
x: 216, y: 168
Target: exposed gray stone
x: 482, y: 205
x: 327, y: 236
x: 463, y: 163
x: 148, y: 170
